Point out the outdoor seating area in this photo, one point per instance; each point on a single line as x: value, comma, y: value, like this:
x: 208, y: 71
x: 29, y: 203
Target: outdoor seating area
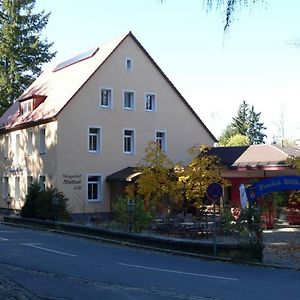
x: 185, y: 225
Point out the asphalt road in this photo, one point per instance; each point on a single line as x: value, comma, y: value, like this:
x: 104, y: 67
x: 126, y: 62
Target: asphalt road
x: 54, y: 266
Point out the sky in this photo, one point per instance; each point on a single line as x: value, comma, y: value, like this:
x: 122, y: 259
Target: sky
x: 256, y: 60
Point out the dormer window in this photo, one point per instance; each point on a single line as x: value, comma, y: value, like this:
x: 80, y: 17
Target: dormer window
x: 26, y: 106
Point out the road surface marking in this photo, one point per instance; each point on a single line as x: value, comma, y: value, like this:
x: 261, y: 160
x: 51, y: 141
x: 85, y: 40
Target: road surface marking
x: 34, y: 245
x: 179, y: 272
x: 3, y: 239
x: 7, y: 231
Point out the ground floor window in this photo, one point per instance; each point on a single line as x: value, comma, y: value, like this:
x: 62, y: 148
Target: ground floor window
x: 42, y: 181
x: 94, y: 187
x: 5, y: 187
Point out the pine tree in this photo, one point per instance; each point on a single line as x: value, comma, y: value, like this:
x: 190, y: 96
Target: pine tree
x: 22, y: 50
x: 246, y: 127
x: 240, y: 122
x: 255, y: 130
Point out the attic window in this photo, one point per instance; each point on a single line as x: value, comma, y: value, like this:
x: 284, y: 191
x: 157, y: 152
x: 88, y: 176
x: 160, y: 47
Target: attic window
x: 26, y: 106
x: 76, y: 59
x: 128, y: 64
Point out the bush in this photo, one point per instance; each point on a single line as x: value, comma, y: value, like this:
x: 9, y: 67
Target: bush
x: 49, y: 204
x: 140, y: 218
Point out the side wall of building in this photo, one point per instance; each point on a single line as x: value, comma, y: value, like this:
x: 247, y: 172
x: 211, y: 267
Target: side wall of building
x: 27, y: 155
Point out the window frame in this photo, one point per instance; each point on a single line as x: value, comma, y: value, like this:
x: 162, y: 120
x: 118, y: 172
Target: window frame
x: 127, y: 67
x: 30, y: 142
x: 42, y: 140
x: 43, y: 184
x: 5, y: 187
x: 17, y: 149
x: 99, y: 139
x: 99, y: 187
x: 17, y: 188
x: 29, y: 182
x: 133, y: 99
x: 164, y: 145
x: 132, y: 141
x: 154, y: 104
x: 6, y: 147
x: 110, y: 102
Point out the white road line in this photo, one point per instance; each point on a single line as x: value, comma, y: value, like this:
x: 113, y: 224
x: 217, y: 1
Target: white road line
x: 179, y: 272
x: 34, y: 245
x: 3, y: 239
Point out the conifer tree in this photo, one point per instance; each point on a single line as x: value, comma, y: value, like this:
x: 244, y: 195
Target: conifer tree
x: 255, y: 130
x: 22, y: 49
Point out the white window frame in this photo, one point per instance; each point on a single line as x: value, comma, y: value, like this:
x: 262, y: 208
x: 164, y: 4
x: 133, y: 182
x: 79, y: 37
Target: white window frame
x: 30, y: 142
x: 27, y: 106
x: 154, y: 104
x: 133, y: 99
x: 6, y: 146
x: 128, y: 61
x: 17, y: 150
x: 43, y: 184
x: 100, y: 187
x: 132, y: 141
x: 17, y: 188
x: 99, y: 139
x: 42, y: 140
x: 163, y: 140
x: 5, y: 184
x: 29, y: 182
x: 110, y: 101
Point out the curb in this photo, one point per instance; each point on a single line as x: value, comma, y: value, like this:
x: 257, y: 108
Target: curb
x: 152, y: 248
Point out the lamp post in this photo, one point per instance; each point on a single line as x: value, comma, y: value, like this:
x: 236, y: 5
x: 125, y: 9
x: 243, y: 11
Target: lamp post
x: 8, y: 201
x: 130, y: 209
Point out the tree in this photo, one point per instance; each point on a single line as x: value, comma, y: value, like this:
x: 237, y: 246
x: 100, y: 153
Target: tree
x: 255, y: 128
x: 237, y: 140
x: 194, y: 179
x: 229, y: 7
x: 247, y: 124
x: 22, y: 50
x: 156, y: 181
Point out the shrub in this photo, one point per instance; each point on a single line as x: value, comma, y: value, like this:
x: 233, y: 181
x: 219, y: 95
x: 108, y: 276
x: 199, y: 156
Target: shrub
x: 140, y: 218
x: 49, y: 204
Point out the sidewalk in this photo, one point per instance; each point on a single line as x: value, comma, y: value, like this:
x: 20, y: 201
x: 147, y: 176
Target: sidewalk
x: 282, y: 246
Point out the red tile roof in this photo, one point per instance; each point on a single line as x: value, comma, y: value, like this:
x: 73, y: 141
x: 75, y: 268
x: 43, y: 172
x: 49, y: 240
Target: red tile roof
x: 59, y: 87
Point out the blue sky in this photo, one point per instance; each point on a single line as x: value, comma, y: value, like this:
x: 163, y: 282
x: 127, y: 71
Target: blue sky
x: 255, y: 61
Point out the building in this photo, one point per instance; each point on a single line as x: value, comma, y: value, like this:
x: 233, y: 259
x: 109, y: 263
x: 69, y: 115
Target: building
x: 89, y: 117
x: 248, y: 164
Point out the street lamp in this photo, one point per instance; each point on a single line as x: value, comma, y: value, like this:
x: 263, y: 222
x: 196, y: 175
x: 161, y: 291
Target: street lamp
x: 130, y: 209
x: 8, y: 200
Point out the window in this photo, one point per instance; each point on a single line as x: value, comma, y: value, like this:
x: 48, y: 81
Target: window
x: 17, y: 147
x: 6, y: 145
x: 42, y: 140
x: 29, y: 182
x: 150, y: 102
x: 26, y: 106
x: 5, y: 187
x: 128, y: 100
x: 17, y: 188
x: 106, y: 98
x: 128, y: 142
x: 94, y: 139
x: 42, y: 182
x: 94, y: 187
x: 129, y: 64
x: 161, y: 139
x: 29, y: 142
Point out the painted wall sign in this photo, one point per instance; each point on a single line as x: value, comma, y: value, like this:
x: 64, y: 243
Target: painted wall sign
x: 75, y: 180
x: 275, y: 184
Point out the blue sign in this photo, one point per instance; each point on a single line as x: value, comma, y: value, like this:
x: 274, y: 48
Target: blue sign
x: 273, y: 184
x: 214, y: 191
